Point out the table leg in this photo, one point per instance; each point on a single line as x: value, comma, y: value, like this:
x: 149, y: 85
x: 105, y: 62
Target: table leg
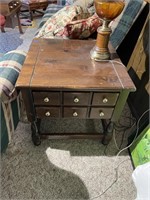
x: 35, y: 127
x: 2, y: 29
x: 19, y: 24
x: 108, y: 131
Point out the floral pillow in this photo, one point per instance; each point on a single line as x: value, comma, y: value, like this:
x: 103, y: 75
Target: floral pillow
x: 80, y: 29
x: 59, y: 20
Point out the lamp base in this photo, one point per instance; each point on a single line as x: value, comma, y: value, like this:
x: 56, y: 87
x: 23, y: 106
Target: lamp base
x: 98, y: 55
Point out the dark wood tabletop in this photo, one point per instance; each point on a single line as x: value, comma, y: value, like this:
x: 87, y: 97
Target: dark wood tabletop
x: 61, y: 63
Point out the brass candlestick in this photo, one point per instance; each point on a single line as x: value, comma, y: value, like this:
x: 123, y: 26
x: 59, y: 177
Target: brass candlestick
x: 107, y: 10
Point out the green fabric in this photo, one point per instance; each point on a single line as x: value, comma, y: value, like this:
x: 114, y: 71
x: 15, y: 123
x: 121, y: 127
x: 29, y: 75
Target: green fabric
x: 3, y: 132
x: 14, y: 107
x: 10, y: 67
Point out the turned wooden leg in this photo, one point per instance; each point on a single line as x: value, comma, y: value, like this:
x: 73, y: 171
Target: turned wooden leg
x: 19, y: 24
x: 2, y: 29
x: 108, y: 131
x: 35, y: 127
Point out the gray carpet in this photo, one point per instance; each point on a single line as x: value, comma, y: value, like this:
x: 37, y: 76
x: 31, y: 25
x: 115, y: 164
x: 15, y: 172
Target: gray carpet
x: 68, y: 169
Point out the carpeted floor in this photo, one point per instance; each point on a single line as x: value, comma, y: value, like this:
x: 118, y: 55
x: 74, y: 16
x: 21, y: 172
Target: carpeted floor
x: 12, y: 39
x: 68, y: 169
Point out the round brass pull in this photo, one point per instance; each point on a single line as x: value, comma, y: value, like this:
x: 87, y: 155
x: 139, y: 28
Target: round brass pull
x: 47, y: 114
x: 105, y: 100
x: 46, y: 99
x: 101, y: 114
x: 75, y: 114
x: 76, y: 100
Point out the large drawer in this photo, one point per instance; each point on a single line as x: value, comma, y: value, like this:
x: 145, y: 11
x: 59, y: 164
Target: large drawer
x: 76, y: 98
x: 74, y: 112
x: 101, y: 113
x: 47, y: 112
x: 103, y: 99
x: 46, y: 98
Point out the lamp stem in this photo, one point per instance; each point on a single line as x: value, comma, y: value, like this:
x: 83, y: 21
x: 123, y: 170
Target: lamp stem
x: 101, y: 51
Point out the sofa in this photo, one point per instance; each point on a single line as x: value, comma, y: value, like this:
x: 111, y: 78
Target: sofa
x: 83, y: 23
x: 10, y: 66
x: 80, y: 16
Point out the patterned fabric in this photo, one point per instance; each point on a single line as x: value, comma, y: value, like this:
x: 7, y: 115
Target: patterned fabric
x: 10, y: 114
x: 69, y: 2
x: 80, y: 29
x: 58, y: 21
x: 10, y: 66
x: 124, y: 24
x: 61, y: 2
x: 50, y: 11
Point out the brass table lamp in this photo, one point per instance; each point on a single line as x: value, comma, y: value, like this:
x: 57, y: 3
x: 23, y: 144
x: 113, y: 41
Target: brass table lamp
x: 107, y: 10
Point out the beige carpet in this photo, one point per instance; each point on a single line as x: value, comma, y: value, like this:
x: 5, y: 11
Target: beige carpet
x: 67, y: 169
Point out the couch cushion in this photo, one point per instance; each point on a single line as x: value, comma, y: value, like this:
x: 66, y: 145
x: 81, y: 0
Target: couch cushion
x: 59, y: 20
x: 122, y: 24
x: 84, y: 4
x: 80, y: 29
x: 69, y: 2
x: 61, y: 2
x: 10, y: 66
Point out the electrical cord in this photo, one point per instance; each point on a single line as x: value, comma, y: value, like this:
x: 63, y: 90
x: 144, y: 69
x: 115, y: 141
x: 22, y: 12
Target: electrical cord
x: 117, y: 167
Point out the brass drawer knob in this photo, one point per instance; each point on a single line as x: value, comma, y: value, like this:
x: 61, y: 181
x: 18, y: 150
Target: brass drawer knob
x: 46, y: 99
x: 47, y: 114
x: 101, y: 114
x: 76, y: 100
x: 75, y: 114
x: 105, y: 100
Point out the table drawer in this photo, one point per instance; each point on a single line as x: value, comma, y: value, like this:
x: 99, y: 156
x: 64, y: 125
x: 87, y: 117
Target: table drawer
x: 47, y: 112
x: 76, y: 98
x: 105, y: 99
x: 101, y: 113
x: 74, y: 112
x: 46, y: 98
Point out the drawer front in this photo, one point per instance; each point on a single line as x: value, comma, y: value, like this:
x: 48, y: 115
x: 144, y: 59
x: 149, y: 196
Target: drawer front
x: 101, y: 113
x: 47, y: 112
x: 75, y: 98
x: 105, y: 99
x: 46, y: 98
x: 74, y: 112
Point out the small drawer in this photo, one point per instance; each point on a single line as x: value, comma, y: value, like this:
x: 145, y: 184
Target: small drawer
x: 75, y: 98
x: 48, y: 112
x: 46, y: 98
x: 101, y: 113
x: 105, y: 99
x: 74, y: 112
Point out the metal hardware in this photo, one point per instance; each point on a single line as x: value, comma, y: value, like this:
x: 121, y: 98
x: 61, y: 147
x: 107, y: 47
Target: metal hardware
x: 46, y: 99
x: 47, y: 114
x: 101, y: 114
x: 76, y: 100
x: 105, y: 100
x: 75, y: 114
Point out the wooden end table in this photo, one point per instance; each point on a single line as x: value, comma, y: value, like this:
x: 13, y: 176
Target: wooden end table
x: 59, y: 80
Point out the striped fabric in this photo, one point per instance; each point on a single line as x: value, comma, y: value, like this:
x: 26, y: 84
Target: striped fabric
x: 10, y: 115
x: 50, y: 11
x: 61, y: 2
x: 10, y: 66
x: 124, y: 24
